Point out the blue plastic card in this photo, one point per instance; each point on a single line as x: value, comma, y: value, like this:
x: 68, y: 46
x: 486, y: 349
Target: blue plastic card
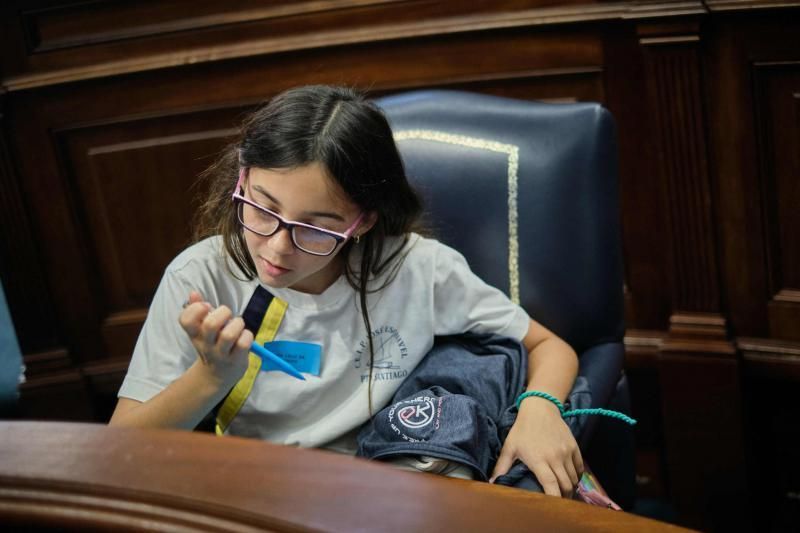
x: 304, y: 356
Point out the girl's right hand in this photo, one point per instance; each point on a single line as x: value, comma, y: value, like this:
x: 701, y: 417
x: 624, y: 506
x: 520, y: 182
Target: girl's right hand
x: 221, y: 340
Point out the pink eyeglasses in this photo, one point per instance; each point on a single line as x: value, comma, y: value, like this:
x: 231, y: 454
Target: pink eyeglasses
x: 308, y: 238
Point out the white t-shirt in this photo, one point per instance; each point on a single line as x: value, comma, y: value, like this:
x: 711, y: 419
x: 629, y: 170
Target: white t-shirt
x: 433, y: 293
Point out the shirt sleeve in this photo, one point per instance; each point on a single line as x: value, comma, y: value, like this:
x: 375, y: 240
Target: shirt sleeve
x: 163, y: 351
x: 463, y: 302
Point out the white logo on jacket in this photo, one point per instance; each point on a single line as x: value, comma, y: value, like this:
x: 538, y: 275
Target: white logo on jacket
x: 415, y: 414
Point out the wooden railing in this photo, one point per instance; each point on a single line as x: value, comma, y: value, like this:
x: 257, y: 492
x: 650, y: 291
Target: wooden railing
x: 64, y: 476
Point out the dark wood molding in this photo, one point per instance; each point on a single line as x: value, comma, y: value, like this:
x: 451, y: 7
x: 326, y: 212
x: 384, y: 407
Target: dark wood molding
x: 76, y: 25
x: 754, y: 346
x: 642, y: 348
x: 57, y: 395
x: 770, y: 359
x: 68, y: 376
x: 787, y: 295
x: 43, y: 363
x: 747, y: 5
x: 453, y: 23
x: 703, y: 334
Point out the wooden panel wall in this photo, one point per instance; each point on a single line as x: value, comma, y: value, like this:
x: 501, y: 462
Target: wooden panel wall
x: 109, y: 110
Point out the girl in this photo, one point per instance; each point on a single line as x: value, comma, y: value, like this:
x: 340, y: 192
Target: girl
x: 310, y: 216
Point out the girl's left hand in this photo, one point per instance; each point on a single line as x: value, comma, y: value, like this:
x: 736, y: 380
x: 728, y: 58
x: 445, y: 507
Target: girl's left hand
x: 542, y: 440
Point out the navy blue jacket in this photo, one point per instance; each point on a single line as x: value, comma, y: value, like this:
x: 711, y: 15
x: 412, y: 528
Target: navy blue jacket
x: 459, y: 405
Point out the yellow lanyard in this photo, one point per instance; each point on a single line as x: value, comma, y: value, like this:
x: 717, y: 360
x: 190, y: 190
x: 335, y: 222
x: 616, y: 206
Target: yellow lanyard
x: 238, y: 395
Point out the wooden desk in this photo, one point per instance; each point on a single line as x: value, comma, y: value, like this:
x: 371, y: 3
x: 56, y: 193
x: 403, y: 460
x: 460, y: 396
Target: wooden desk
x: 90, y: 477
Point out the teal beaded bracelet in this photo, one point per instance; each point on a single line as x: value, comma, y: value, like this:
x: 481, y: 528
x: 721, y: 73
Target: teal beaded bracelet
x: 574, y: 412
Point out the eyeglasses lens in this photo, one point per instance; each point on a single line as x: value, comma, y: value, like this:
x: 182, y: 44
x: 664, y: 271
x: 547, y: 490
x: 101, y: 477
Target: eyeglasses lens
x: 257, y: 220
x: 313, y: 241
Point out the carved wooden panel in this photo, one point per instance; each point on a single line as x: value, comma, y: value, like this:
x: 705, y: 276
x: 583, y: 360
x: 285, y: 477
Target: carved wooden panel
x: 674, y: 75
x: 752, y: 75
x: 777, y: 102
x: 644, y: 226
x: 133, y: 188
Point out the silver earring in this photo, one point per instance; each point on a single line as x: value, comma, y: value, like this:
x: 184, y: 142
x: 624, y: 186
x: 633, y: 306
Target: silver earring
x: 357, y: 238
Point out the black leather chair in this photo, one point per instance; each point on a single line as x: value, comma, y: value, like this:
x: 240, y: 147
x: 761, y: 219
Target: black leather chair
x: 527, y: 192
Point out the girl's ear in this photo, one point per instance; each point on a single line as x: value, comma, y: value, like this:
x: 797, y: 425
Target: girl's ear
x: 367, y: 223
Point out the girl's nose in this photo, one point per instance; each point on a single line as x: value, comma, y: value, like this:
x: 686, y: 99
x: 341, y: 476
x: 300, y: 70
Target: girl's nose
x: 281, y: 242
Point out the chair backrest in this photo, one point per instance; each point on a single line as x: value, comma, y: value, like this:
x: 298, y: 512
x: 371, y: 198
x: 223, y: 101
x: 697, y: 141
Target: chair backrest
x: 527, y: 191
x: 10, y: 358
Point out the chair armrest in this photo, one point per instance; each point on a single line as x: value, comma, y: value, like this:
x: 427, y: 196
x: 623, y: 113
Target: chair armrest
x: 601, y: 366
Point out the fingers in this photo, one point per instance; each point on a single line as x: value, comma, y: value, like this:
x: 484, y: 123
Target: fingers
x: 546, y: 477
x: 503, y: 464
x: 229, y: 335
x: 577, y: 461
x: 564, y: 482
x: 195, y: 297
x: 214, y: 331
x: 572, y: 474
x: 234, y: 344
x: 559, y: 474
x: 544, y: 443
x: 213, y: 323
x: 191, y: 319
x: 242, y: 346
x: 193, y: 314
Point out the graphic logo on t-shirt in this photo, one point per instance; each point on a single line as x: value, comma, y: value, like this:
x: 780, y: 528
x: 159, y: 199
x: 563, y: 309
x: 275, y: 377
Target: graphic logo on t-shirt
x: 389, y: 351
x: 415, y: 415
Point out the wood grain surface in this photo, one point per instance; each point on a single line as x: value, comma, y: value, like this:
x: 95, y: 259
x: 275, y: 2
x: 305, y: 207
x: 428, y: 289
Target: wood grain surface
x: 89, y: 477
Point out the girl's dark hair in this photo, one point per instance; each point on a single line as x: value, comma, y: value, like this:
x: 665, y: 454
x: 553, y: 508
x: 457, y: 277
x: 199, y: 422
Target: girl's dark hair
x: 340, y: 129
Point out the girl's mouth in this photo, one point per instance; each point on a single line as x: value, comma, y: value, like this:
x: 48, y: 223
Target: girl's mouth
x: 272, y: 269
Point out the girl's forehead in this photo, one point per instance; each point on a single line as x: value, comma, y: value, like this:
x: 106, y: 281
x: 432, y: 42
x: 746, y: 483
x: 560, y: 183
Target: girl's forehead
x: 308, y: 188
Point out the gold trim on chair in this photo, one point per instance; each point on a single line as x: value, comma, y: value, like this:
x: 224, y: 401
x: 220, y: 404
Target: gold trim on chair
x: 512, y: 151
